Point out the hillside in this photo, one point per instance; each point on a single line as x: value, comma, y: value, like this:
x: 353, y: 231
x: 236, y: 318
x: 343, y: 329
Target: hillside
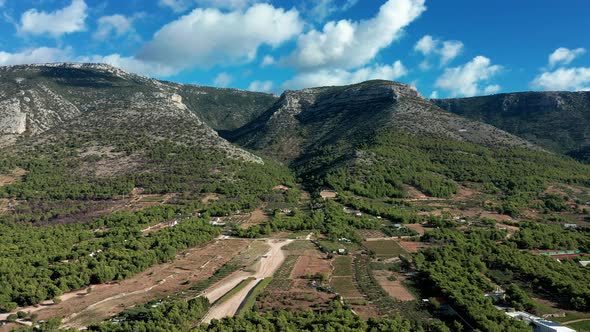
x: 90, y: 132
x: 557, y: 121
x: 375, y: 138
x: 300, y: 121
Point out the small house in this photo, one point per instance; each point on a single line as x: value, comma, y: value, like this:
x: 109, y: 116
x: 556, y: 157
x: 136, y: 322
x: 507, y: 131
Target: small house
x: 342, y: 251
x: 570, y: 226
x: 584, y: 263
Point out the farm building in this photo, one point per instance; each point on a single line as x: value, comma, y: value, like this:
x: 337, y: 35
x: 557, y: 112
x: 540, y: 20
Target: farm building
x: 584, y: 263
x: 539, y: 324
x: 572, y: 226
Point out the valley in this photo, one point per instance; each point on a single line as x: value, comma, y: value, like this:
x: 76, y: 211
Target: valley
x: 156, y: 205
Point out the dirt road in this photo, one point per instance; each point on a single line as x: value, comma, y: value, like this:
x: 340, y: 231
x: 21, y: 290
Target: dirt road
x: 264, y: 268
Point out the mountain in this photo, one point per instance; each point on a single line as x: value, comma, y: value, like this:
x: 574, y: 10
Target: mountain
x: 90, y: 132
x: 557, y: 121
x: 35, y: 98
x: 302, y: 120
x: 374, y: 138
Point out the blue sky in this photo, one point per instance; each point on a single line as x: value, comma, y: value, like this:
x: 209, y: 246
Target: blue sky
x: 445, y: 48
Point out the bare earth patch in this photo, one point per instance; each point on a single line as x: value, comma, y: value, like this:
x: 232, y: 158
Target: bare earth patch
x: 412, y: 247
x: 12, y: 177
x: 394, y: 288
x: 328, y: 194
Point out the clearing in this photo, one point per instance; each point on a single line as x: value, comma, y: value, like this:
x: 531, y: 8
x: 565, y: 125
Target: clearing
x: 265, y: 267
x: 392, y: 283
x: 385, y: 248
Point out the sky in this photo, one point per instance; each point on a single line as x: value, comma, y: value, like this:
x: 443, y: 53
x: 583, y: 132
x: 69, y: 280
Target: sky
x: 450, y: 48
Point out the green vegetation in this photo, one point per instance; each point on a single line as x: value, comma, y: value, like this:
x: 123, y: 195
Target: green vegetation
x: 43, y: 263
x: 235, y: 290
x: 384, y: 248
x: 342, y: 266
x: 248, y: 304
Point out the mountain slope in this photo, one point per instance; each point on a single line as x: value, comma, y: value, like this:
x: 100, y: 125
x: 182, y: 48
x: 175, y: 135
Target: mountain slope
x: 85, y: 133
x: 557, y: 121
x: 303, y: 120
x: 375, y: 138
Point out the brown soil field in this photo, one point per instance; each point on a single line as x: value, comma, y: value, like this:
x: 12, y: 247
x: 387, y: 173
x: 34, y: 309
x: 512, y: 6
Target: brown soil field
x: 497, y: 216
x: 417, y: 227
x: 257, y: 217
x: 296, y: 293
x: 394, y: 288
x: 311, y: 262
x: 107, y: 300
x: 371, y: 234
x: 414, y: 193
x: 412, y: 247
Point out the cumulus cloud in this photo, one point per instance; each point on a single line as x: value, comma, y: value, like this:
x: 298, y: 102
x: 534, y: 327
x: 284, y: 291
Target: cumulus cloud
x: 261, y: 86
x: 268, y: 60
x: 434, y: 95
x: 325, y: 77
x: 223, y: 80
x: 491, y: 89
x: 350, y: 44
x: 130, y: 64
x: 35, y: 55
x: 466, y: 80
x: 206, y: 37
x: 63, y: 21
x: 564, y: 79
x: 426, y: 45
x: 117, y: 25
x: 447, y: 50
x: 563, y: 56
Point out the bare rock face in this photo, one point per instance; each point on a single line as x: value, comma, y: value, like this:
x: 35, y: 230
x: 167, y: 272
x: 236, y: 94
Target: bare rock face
x: 14, y: 119
x: 303, y: 120
x: 62, y: 97
x: 557, y: 121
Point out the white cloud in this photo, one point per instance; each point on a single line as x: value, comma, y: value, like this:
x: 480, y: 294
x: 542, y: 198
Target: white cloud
x: 63, y: 21
x: 465, y: 80
x: 226, y: 4
x: 434, y: 95
x: 426, y: 45
x: 223, y: 80
x: 48, y: 55
x: 177, y: 6
x: 348, y: 44
x: 327, y: 77
x: 131, y: 64
x: 117, y: 25
x: 564, y: 79
x: 2, y: 3
x: 180, y: 6
x: 563, y: 56
x: 450, y: 50
x: 268, y: 60
x: 261, y: 86
x: 324, y: 8
x: 206, y: 37
x: 36, y: 55
x: 447, y: 50
x: 491, y: 89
